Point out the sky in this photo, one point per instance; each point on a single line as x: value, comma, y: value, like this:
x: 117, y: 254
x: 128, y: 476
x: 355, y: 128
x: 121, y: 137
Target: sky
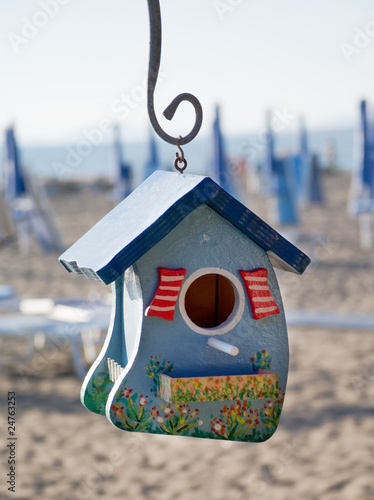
x: 70, y: 67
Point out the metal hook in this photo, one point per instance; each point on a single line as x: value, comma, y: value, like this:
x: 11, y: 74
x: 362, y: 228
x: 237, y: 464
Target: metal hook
x: 153, y: 68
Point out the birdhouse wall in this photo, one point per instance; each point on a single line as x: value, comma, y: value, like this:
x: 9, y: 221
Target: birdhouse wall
x: 206, y: 240
x: 174, y: 382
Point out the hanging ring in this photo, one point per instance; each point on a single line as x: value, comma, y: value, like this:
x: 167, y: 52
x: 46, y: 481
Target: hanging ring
x: 179, y: 158
x: 153, y: 69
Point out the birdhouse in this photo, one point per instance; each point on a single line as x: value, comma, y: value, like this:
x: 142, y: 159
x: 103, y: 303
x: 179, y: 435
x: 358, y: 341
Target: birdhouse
x: 197, y: 343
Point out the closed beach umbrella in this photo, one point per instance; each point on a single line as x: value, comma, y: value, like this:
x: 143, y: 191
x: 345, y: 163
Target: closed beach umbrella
x: 267, y: 170
x: 303, y: 139
x: 315, y: 189
x: 28, y: 203
x: 286, y: 200
x: 278, y: 181
x: 14, y: 182
x: 220, y: 172
x: 123, y: 171
x: 153, y: 160
x: 362, y: 203
x: 366, y: 171
x: 302, y: 167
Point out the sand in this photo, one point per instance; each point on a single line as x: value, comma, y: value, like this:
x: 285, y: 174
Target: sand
x: 323, y: 448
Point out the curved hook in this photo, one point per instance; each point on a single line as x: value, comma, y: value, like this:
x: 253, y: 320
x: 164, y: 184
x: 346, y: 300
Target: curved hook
x: 153, y: 68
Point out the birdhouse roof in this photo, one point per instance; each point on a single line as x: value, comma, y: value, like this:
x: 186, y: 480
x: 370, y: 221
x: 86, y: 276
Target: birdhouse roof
x: 152, y: 210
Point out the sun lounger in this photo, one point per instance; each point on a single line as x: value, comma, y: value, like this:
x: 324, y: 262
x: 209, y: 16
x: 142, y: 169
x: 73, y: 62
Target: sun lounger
x: 79, y: 326
x: 8, y: 298
x: 330, y: 319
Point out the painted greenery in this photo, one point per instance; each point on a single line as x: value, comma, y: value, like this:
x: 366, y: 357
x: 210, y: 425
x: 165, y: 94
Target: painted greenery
x: 96, y: 399
x: 132, y: 410
x: 156, y: 366
x: 238, y: 421
x: 235, y: 421
x: 134, y: 414
x: 261, y: 361
x: 176, y: 419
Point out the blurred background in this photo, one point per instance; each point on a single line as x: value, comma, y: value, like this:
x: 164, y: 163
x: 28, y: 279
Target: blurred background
x: 287, y: 93
x: 70, y: 66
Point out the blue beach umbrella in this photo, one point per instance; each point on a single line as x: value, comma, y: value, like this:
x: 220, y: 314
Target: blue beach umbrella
x: 153, y: 161
x: 286, y: 200
x: 219, y: 166
x: 303, y: 147
x: 366, y: 169
x: 14, y: 182
x: 28, y: 203
x: 268, y: 166
x: 308, y: 172
x: 315, y: 192
x: 302, y: 166
x: 123, y: 171
x: 362, y: 201
x: 278, y: 181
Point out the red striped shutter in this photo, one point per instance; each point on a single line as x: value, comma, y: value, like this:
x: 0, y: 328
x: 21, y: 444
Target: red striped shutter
x: 256, y: 284
x: 166, y: 296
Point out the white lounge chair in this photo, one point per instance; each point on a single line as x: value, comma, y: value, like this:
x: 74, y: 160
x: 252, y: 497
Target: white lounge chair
x: 77, y: 322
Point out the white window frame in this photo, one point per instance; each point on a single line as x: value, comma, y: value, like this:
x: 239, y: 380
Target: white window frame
x: 236, y: 313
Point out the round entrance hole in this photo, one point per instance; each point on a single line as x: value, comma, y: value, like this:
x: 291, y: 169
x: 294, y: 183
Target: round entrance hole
x: 209, y: 300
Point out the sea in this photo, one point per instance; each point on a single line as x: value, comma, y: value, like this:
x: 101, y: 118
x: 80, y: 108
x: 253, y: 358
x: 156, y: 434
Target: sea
x: 84, y: 160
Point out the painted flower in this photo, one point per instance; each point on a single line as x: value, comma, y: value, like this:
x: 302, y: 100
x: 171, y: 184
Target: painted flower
x: 126, y: 392
x: 118, y: 410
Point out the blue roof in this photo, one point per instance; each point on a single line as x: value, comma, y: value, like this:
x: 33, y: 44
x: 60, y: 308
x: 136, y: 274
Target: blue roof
x: 150, y: 212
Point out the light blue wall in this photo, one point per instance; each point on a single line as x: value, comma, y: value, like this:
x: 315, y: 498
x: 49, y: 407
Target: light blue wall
x: 205, y: 239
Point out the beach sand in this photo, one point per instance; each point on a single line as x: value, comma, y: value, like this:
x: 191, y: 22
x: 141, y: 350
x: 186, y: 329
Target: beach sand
x: 323, y: 448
